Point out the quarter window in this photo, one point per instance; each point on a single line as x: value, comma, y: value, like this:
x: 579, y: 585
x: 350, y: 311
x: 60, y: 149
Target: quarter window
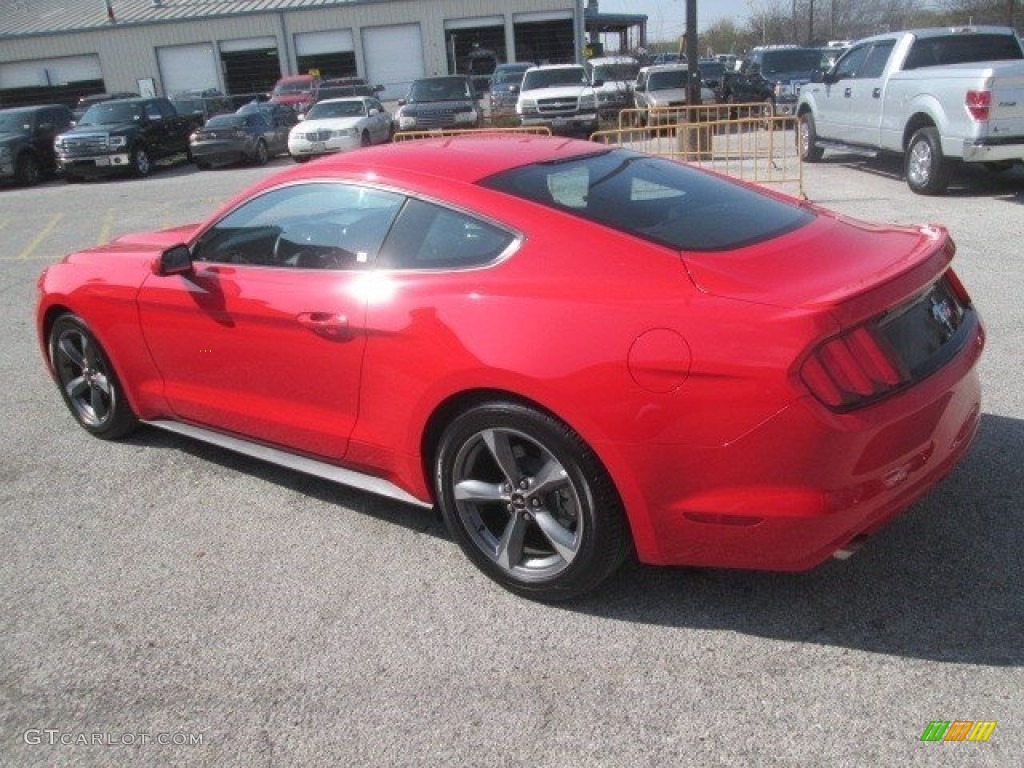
x: 428, y: 236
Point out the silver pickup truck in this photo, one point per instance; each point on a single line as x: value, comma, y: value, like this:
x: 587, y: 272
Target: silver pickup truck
x: 935, y: 96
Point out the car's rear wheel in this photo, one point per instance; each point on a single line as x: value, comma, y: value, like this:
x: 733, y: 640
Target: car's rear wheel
x: 928, y: 172
x: 87, y: 381
x: 807, y: 137
x: 364, y: 140
x: 529, y: 502
x: 262, y: 154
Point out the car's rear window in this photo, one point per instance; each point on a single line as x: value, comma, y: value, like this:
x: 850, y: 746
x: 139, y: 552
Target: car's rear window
x: 659, y: 200
x: 962, y: 49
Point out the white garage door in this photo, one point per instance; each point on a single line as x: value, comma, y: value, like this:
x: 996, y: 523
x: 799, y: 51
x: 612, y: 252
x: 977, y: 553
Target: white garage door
x: 394, y: 57
x: 333, y: 41
x: 42, y: 72
x: 187, y: 68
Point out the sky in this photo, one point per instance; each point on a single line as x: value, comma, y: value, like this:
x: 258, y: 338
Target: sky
x: 666, y: 19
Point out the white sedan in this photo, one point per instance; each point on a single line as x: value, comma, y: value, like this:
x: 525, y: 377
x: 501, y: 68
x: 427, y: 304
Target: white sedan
x: 338, y: 125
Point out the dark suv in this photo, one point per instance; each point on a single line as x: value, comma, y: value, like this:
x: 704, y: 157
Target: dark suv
x: 439, y: 103
x: 26, y: 141
x: 772, y: 75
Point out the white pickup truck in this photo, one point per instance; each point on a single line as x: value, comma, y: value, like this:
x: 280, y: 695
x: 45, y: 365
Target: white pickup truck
x: 935, y: 96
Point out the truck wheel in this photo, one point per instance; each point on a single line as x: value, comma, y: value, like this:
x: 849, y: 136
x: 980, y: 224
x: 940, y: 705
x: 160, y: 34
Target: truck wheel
x: 928, y: 172
x: 806, y: 139
x: 27, y: 172
x: 262, y: 154
x: 140, y: 162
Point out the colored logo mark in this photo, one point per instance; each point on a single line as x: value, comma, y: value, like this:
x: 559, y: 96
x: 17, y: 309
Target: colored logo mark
x: 958, y: 730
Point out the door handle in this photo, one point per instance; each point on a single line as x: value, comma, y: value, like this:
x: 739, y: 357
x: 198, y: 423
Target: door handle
x: 326, y: 324
x: 877, y: 93
x: 847, y: 92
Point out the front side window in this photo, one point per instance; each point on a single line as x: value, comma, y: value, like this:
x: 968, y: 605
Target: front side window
x: 658, y: 200
x: 303, y: 226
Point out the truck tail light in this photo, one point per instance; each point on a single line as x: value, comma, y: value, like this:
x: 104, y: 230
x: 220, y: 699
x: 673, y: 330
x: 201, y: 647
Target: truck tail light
x: 978, y: 104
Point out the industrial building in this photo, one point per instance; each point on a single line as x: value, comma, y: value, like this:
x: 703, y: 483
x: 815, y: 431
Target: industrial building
x: 55, y: 50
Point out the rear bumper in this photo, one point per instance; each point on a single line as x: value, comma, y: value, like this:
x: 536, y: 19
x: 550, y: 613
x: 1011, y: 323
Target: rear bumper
x: 806, y: 482
x: 993, y: 150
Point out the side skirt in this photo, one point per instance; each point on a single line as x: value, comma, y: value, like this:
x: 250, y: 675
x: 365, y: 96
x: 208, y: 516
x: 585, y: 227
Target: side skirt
x: 336, y: 474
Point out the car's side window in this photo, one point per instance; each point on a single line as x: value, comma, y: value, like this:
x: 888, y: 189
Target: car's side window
x: 874, y: 63
x: 303, y: 226
x: 849, y: 66
x: 428, y: 236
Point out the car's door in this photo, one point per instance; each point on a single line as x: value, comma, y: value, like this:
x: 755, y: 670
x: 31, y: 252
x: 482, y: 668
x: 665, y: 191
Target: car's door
x: 834, y: 97
x: 265, y: 338
x: 867, y: 95
x: 380, y: 121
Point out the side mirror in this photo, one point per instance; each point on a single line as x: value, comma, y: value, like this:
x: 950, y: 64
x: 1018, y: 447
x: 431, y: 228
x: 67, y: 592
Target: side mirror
x: 402, y: 102
x: 374, y: 111
x: 828, y: 78
x: 176, y: 260
x: 301, y: 116
x: 598, y: 83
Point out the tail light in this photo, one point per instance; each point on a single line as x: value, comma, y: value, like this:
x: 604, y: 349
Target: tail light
x: 852, y: 369
x: 979, y: 104
x: 902, y: 345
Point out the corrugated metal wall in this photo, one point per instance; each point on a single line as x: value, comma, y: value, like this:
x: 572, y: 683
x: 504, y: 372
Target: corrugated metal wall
x: 128, y: 54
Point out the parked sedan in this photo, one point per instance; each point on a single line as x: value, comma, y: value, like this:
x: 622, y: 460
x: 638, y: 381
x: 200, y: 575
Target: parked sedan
x: 236, y: 139
x: 576, y: 352
x: 338, y: 125
x: 660, y: 93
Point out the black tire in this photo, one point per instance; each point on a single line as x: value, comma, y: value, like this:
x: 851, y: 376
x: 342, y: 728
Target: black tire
x: 87, y: 381
x: 142, y: 166
x: 1000, y: 166
x: 806, y: 138
x: 72, y: 179
x: 202, y: 165
x: 529, y: 502
x: 364, y: 140
x: 262, y: 154
x: 301, y: 158
x: 27, y: 172
x: 927, y: 171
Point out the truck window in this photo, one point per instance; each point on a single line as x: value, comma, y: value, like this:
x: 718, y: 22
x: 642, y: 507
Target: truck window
x: 874, y: 63
x: 962, y: 49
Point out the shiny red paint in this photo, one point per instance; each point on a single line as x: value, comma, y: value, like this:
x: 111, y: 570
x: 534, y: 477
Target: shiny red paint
x: 681, y: 371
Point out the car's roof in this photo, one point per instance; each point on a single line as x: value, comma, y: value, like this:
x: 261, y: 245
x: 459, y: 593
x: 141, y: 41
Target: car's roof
x: 466, y: 159
x: 344, y: 99
x: 556, y: 66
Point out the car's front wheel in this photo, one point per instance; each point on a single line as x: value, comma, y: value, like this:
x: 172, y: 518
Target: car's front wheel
x: 141, y: 164
x: 28, y: 172
x: 529, y: 502
x: 807, y: 138
x: 87, y: 381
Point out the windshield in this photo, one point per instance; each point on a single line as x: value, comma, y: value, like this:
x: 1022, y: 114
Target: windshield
x: 791, y: 61
x: 187, y: 106
x: 711, y: 69
x: 16, y: 121
x: 288, y: 88
x: 546, y: 78
x: 441, y: 89
x: 327, y: 109
x: 111, y: 113
x: 226, y: 121
x: 503, y: 76
x: 616, y: 72
x: 663, y: 81
x: 668, y: 203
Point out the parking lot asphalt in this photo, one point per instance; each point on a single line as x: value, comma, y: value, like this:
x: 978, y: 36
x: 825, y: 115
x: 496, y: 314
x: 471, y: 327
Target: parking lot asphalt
x: 169, y: 603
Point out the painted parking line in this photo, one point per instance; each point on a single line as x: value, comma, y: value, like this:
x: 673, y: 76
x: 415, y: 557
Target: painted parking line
x: 41, y: 235
x: 108, y: 223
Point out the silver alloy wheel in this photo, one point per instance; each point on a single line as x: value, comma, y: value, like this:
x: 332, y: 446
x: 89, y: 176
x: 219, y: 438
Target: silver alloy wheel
x: 919, y: 165
x: 517, y: 503
x: 83, y: 373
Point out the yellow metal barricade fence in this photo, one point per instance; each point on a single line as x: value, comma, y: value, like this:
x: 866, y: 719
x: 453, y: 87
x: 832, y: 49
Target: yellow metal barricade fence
x: 740, y: 140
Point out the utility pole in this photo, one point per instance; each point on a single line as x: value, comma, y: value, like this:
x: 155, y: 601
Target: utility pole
x: 692, y: 54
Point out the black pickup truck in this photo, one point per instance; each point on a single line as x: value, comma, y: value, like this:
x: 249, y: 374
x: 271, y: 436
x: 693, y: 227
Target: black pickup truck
x: 26, y: 141
x: 123, y: 136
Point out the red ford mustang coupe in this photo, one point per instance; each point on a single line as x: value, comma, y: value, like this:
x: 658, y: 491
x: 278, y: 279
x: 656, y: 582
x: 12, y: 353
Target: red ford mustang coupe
x: 575, y: 352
